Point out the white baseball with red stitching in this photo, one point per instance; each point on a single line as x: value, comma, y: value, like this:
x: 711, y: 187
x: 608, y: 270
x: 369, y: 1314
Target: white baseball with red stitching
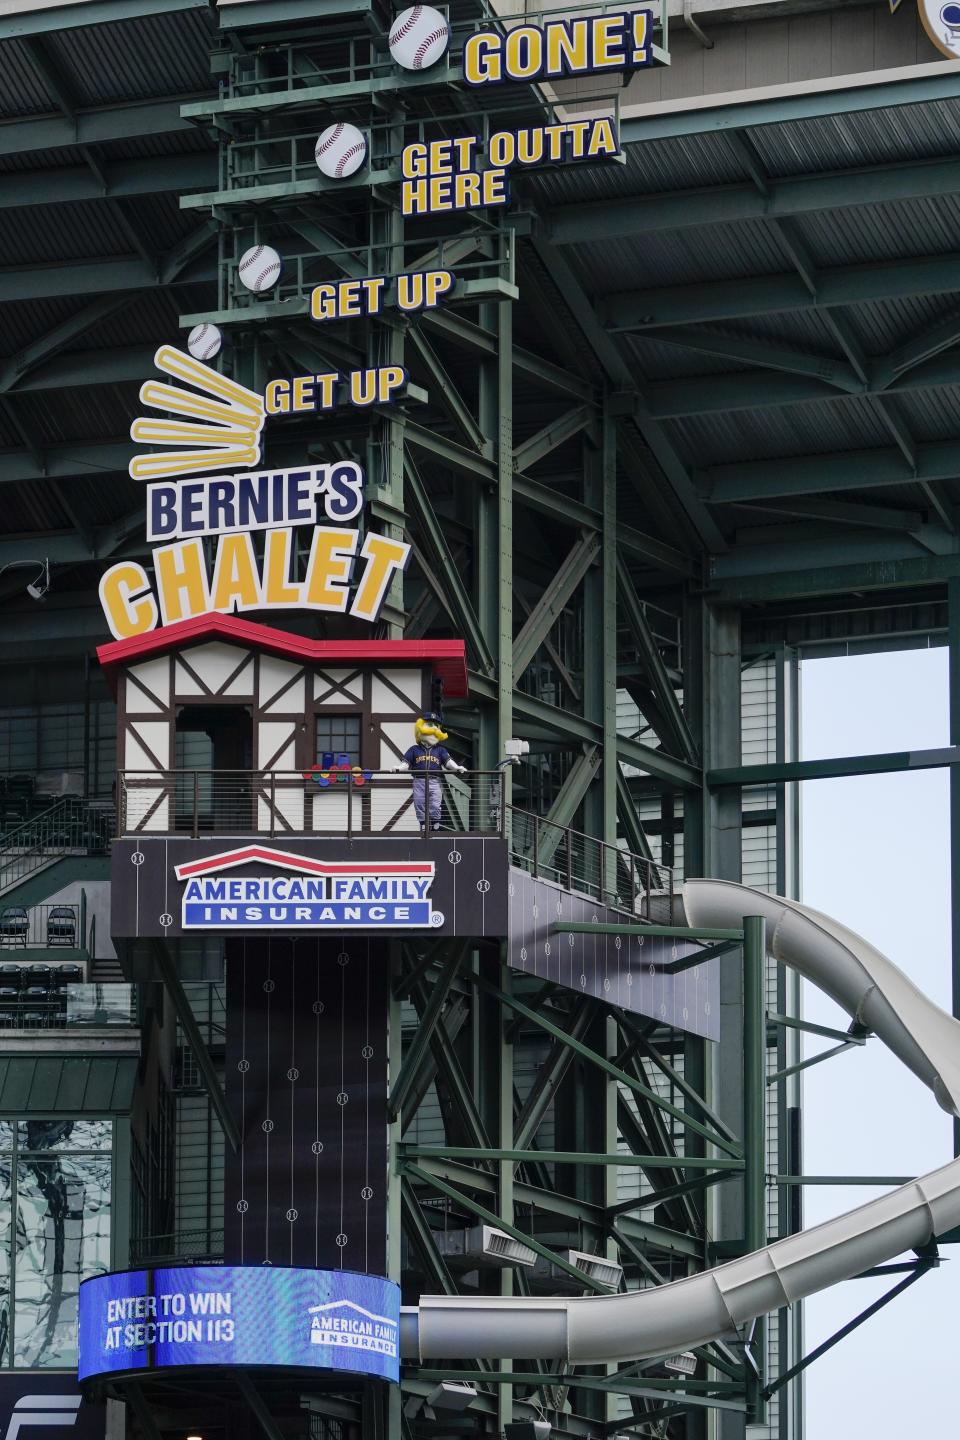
x: 419, y: 37
x: 340, y: 150
x: 259, y: 268
x: 204, y: 342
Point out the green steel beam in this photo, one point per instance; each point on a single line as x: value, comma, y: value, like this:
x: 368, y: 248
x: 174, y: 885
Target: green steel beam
x: 923, y: 346
x: 90, y: 367
x: 838, y: 470
x: 845, y: 1330
x: 554, y: 599
x: 678, y: 932
x: 678, y: 736
x: 443, y: 388
x: 100, y: 277
x: 195, y: 1039
x: 783, y: 772
x: 570, y: 728
x: 727, y: 204
x: 92, y: 12
x: 448, y: 452
x: 550, y: 1073
x: 552, y: 501
x: 99, y: 126
x: 550, y: 436
x: 429, y: 1020
x: 760, y: 389
x: 493, y: 1218
x: 776, y: 294
x: 447, y: 573
x: 570, y: 1157
x: 830, y: 371
x: 857, y: 94
x: 840, y: 512
x: 61, y: 461
x: 121, y: 180
x: 652, y: 1387
x: 629, y: 819
x: 602, y: 1063
x: 552, y: 829
x: 622, y: 377
x: 16, y: 369
x: 770, y: 585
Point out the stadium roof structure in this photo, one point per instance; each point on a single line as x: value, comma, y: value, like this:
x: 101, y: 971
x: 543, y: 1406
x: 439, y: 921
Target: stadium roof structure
x: 764, y: 283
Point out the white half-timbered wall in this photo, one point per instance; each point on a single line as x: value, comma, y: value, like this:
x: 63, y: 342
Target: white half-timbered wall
x: 283, y: 697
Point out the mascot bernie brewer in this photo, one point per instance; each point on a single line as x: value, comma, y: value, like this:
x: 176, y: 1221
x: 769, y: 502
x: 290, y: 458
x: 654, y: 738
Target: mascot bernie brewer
x: 425, y: 760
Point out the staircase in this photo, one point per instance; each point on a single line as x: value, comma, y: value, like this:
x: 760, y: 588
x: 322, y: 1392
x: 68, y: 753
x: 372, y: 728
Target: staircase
x: 67, y: 827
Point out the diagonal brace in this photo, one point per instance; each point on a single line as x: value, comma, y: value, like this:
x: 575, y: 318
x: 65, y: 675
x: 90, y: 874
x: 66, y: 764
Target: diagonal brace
x: 198, y: 1045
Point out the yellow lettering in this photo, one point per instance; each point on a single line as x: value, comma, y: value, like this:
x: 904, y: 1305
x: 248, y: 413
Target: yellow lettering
x: 127, y: 603
x: 323, y: 302
x: 482, y: 61
x: 277, y: 591
x: 383, y: 557
x: 608, y: 41
x: 328, y: 571
x: 303, y: 393
x: 567, y: 47
x: 235, y: 579
x: 524, y: 52
x: 438, y: 283
x: 181, y: 580
x: 602, y: 139
x: 276, y: 397
x: 413, y: 161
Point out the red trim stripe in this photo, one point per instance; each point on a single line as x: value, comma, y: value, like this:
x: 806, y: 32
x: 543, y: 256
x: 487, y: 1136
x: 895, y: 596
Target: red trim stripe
x: 301, y: 864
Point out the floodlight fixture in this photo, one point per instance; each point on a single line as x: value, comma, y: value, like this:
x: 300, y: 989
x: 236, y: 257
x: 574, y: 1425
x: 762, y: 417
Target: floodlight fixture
x: 38, y: 587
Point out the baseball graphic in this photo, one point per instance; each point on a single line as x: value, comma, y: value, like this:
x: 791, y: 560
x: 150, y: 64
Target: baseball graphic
x: 259, y: 268
x: 419, y: 37
x: 340, y: 150
x: 204, y: 342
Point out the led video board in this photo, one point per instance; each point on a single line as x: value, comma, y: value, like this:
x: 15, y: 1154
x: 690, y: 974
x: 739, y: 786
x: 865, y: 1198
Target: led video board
x: 136, y: 1320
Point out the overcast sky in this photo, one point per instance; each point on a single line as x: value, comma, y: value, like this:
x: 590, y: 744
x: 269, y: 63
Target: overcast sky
x: 876, y: 857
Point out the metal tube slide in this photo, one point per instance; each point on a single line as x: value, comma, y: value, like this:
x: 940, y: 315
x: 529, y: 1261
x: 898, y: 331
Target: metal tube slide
x: 592, y: 1329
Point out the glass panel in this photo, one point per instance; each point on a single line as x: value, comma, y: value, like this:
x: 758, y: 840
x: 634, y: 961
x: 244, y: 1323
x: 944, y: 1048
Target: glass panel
x: 62, y: 1236
x: 110, y: 1004
x: 38, y: 1135
x: 339, y: 735
x: 6, y: 1136
x: 5, y: 1211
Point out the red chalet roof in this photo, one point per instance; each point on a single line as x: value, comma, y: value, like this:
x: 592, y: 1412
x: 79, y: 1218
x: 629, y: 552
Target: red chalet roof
x: 446, y: 657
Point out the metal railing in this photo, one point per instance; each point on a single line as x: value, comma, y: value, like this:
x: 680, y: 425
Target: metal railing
x: 47, y: 1006
x: 585, y: 865
x: 348, y: 801
x: 183, y: 1245
x: 42, y: 926
x: 68, y: 826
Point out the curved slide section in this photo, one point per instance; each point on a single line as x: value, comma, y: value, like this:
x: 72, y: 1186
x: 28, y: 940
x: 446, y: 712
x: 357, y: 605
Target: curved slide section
x: 593, y: 1329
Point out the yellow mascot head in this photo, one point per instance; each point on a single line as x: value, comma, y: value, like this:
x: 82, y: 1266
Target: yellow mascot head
x: 428, y: 730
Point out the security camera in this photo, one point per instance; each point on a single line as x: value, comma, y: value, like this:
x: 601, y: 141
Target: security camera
x: 513, y: 749
x: 37, y: 592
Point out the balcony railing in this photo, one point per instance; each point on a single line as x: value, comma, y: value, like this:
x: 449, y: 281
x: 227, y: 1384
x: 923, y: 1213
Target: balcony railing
x: 35, y: 1003
x: 585, y: 865
x: 49, y: 927
x: 343, y: 802
x: 183, y: 1246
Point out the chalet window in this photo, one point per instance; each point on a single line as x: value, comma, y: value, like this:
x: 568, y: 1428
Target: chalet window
x: 339, y: 734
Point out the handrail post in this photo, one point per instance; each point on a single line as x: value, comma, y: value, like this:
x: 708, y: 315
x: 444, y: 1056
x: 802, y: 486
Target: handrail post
x: 569, y: 858
x: 536, y: 845
x: 273, y: 803
x: 196, y: 804
x: 350, y: 806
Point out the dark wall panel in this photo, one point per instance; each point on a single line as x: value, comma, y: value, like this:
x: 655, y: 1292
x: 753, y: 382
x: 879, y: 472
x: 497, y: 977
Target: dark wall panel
x: 306, y: 1078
